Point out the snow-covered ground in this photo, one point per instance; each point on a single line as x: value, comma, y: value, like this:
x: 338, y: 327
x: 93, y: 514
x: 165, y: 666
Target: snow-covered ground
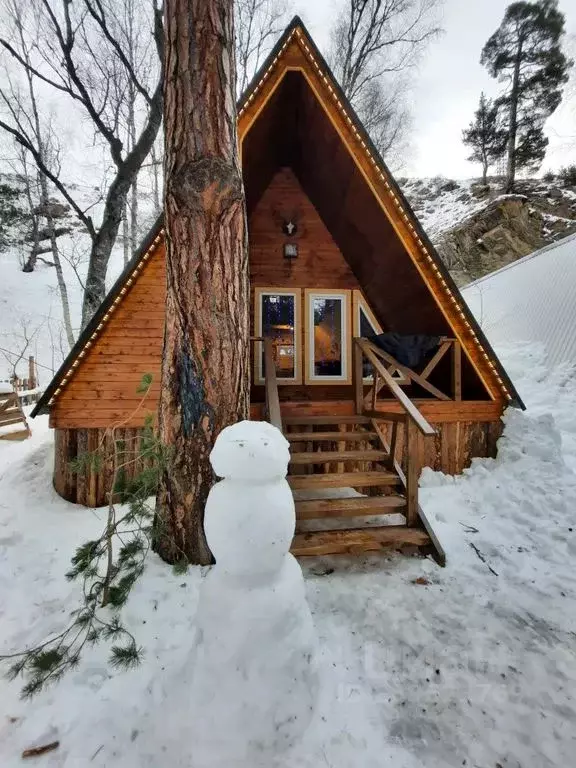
x: 476, y: 666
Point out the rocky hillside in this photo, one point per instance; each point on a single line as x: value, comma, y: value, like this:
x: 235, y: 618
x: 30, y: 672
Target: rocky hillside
x: 478, y: 229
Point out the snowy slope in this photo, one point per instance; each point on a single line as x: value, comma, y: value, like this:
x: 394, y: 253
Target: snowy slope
x: 533, y: 298
x: 476, y: 666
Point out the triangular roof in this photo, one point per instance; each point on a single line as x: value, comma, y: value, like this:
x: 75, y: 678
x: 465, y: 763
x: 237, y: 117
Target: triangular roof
x: 295, y: 51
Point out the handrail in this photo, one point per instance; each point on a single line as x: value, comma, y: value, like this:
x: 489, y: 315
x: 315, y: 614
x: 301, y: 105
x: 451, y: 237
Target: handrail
x: 271, y: 385
x: 407, y: 405
x: 272, y: 398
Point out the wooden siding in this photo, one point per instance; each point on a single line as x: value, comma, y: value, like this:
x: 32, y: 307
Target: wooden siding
x: 298, y: 57
x: 103, y: 392
x: 320, y: 263
x: 450, y: 451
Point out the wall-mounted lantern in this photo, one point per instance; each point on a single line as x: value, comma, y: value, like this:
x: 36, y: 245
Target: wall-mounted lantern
x: 290, y: 251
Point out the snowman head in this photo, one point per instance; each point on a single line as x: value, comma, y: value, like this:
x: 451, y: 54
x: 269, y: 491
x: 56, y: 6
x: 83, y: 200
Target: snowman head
x: 250, y: 450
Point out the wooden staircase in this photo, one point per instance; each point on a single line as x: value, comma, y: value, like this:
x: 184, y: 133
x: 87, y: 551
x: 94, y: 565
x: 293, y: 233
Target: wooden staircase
x: 351, y: 495
x: 340, y: 473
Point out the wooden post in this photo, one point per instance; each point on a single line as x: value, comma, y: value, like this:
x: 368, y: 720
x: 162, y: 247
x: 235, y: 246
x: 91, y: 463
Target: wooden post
x: 31, y: 373
x: 457, y: 370
x: 411, y: 448
x: 358, y: 380
x: 393, y: 444
x: 375, y: 390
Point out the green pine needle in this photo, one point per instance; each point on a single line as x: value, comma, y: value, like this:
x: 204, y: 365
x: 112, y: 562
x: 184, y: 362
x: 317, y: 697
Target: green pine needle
x: 47, y: 661
x: 126, y: 657
x: 145, y: 384
x: 180, y: 567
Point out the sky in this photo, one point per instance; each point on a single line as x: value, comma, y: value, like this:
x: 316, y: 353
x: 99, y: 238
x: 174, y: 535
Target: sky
x: 448, y: 82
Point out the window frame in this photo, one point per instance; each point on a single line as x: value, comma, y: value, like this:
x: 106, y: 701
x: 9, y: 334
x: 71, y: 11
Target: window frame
x: 258, y: 346
x: 346, y: 329
x: 360, y: 304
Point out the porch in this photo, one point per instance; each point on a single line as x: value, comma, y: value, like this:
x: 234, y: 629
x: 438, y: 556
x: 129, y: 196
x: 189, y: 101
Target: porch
x: 356, y: 461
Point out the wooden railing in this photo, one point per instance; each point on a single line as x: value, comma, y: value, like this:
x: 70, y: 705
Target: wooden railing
x: 408, y: 376
x: 412, y: 419
x: 272, y: 398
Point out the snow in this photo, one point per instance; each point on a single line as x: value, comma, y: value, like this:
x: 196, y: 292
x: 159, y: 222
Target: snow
x: 9, y: 429
x: 531, y: 299
x: 462, y: 668
x: 440, y: 204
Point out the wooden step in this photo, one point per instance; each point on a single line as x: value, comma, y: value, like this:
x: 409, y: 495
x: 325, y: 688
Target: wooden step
x: 355, y: 541
x: 337, y: 437
x: 323, y: 457
x: 343, y: 480
x: 359, y: 506
x: 326, y: 420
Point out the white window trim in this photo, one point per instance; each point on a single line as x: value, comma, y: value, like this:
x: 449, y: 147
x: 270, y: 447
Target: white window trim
x: 346, y: 330
x: 360, y: 304
x: 258, y: 372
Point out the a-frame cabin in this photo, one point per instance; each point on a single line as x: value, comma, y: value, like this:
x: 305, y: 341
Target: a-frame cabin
x: 336, y: 257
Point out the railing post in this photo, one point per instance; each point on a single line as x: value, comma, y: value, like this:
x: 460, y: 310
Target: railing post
x: 393, y: 443
x: 457, y: 370
x: 273, y: 412
x: 31, y: 373
x: 358, y: 379
x: 411, y: 449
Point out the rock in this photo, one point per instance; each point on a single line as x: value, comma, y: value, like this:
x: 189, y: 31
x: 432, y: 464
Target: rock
x: 44, y: 233
x: 449, y: 186
x: 53, y: 208
x: 508, y: 228
x: 555, y: 193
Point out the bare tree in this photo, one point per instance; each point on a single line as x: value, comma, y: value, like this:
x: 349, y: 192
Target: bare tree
x: 258, y: 23
x: 156, y: 162
x: 80, y: 53
x: 21, y: 343
x: 25, y: 113
x: 373, y: 44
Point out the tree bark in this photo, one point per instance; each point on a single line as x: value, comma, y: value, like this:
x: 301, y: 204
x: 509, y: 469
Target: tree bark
x: 513, y: 126
x: 205, y: 366
x: 104, y: 239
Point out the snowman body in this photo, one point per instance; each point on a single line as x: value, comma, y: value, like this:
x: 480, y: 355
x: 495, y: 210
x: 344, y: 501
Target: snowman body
x: 254, y: 679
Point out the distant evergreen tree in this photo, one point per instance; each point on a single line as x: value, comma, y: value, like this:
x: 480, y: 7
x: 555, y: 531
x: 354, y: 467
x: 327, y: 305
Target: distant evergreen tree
x: 525, y: 53
x: 485, y: 135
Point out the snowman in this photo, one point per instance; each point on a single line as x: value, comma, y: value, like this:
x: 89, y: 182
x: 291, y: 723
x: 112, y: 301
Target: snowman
x: 254, y: 676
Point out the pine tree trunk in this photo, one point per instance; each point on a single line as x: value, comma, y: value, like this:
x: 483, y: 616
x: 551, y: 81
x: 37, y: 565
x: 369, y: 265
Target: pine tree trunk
x: 205, y: 371
x: 513, y: 125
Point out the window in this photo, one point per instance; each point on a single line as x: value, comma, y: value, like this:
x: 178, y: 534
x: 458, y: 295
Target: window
x: 365, y: 325
x: 278, y: 318
x: 328, y: 337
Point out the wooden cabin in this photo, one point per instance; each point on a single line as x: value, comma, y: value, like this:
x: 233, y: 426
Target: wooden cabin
x: 337, y: 259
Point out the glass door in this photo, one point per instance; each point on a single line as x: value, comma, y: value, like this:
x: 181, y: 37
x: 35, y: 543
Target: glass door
x: 278, y: 318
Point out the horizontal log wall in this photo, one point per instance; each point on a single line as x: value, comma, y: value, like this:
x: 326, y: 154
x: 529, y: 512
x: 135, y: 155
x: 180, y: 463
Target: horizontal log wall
x: 450, y: 450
